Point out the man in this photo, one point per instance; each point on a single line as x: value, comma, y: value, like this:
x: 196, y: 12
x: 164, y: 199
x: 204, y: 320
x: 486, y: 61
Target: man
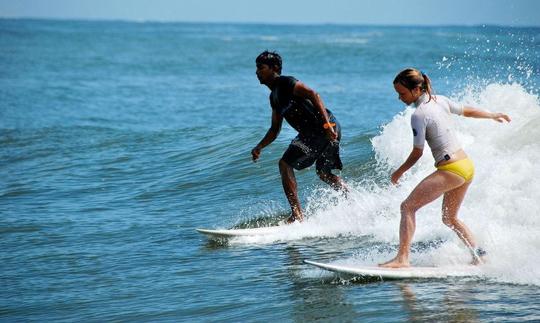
x: 318, y: 130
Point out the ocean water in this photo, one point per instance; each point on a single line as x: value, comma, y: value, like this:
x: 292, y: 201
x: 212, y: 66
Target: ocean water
x: 118, y: 139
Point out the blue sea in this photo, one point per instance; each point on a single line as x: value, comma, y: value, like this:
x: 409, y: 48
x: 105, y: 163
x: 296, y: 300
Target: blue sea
x: 119, y: 139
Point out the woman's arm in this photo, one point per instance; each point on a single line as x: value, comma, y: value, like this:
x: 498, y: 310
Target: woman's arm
x: 477, y: 113
x: 414, y: 156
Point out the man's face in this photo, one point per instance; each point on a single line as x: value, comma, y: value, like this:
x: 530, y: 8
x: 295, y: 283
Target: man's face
x: 264, y: 73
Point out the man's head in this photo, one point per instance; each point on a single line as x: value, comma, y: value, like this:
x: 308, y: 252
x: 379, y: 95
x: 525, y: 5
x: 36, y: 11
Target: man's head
x: 272, y: 59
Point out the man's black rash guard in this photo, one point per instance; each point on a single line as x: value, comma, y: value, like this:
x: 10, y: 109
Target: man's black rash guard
x: 299, y: 112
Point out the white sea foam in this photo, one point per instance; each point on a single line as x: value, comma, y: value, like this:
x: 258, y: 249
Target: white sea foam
x: 501, y: 207
x: 361, y: 41
x: 269, y: 38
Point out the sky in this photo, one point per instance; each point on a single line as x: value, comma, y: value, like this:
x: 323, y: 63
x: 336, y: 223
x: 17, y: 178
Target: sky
x: 364, y: 12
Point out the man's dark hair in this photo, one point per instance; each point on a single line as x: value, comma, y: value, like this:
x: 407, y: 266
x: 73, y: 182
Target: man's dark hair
x: 271, y: 59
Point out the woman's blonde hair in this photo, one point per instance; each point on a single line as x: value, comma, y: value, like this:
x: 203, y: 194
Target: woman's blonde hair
x: 412, y: 78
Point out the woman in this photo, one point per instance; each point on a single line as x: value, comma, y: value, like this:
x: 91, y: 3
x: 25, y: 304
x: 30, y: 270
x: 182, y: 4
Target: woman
x: 432, y: 122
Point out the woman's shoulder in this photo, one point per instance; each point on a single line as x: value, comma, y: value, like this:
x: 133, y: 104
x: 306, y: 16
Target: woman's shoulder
x: 419, y: 113
x: 440, y: 97
x: 444, y: 100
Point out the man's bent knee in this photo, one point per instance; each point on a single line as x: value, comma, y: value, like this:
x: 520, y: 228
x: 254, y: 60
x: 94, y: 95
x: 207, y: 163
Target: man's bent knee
x: 283, y: 165
x: 325, y: 176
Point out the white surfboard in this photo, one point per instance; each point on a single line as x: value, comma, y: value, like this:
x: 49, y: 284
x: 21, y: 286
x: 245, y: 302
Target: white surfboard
x: 231, y: 233
x: 400, y: 273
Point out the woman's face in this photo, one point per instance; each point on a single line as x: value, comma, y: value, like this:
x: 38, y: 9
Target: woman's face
x: 407, y: 96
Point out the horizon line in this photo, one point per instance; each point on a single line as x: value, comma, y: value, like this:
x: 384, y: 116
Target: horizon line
x: 167, y: 21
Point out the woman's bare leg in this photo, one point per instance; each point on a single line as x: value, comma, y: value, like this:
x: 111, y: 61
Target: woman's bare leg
x: 425, y: 192
x: 451, y: 203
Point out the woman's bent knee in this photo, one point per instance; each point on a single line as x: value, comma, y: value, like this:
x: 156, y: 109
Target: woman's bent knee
x: 449, y: 222
x: 407, y: 207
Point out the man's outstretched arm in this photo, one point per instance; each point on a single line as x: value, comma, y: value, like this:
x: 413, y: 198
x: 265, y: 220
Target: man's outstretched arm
x: 270, y: 136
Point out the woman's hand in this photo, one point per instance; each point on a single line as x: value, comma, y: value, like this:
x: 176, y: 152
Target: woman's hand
x: 478, y: 113
x: 395, y: 177
x: 500, y: 117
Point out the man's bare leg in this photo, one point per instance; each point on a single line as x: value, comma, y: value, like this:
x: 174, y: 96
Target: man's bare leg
x: 289, y: 186
x: 334, y: 181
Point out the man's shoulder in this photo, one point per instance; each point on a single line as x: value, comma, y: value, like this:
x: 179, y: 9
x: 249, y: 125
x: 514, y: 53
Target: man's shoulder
x: 284, y: 85
x: 287, y: 79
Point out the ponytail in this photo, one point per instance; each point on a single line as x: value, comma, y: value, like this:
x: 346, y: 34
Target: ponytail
x: 412, y: 78
x: 426, y: 85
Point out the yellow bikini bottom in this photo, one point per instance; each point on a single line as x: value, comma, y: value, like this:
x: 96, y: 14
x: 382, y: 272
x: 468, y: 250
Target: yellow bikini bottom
x: 463, y: 168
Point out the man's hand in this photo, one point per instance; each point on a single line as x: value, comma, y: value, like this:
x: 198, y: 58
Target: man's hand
x: 331, y: 134
x: 255, y: 153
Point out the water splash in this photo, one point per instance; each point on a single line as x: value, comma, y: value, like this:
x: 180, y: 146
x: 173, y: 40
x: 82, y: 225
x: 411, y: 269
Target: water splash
x: 501, y: 207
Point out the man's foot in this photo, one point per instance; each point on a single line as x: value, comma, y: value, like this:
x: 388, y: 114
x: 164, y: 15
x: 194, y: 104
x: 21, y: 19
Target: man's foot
x: 395, y: 263
x: 344, y: 190
x: 293, y: 218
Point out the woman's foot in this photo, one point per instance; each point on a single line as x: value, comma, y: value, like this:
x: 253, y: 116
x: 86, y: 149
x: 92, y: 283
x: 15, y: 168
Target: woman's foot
x: 479, y: 257
x: 478, y: 261
x: 396, y: 263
